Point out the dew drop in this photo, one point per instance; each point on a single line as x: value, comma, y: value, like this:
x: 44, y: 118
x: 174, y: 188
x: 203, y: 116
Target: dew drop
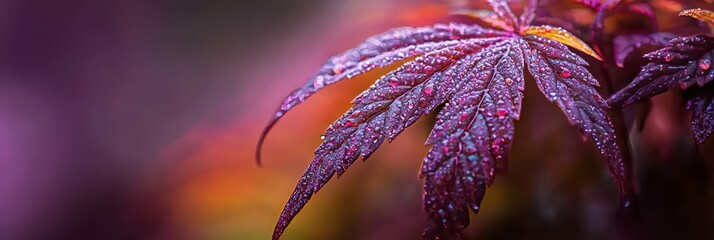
x: 322, y: 137
x: 319, y: 82
x: 509, y: 81
x: 428, y: 90
x: 428, y: 69
x: 423, y: 102
x: 668, y: 57
x: 464, y: 116
x: 350, y: 123
x: 338, y: 69
x: 393, y: 82
x: 704, y: 65
x: 501, y: 112
x: 565, y: 73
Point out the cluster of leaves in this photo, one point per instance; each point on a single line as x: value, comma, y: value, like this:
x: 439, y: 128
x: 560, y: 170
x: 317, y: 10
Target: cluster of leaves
x: 687, y: 61
x: 477, y: 75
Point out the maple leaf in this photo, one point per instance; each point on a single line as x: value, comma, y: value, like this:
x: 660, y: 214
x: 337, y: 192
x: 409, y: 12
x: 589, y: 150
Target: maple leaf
x: 687, y: 62
x: 477, y: 74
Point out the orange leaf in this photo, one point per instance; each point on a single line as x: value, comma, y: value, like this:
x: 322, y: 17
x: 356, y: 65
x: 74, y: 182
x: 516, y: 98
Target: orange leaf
x: 699, y: 14
x: 562, y: 36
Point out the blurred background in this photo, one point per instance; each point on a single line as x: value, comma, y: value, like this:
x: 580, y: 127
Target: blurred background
x: 138, y: 119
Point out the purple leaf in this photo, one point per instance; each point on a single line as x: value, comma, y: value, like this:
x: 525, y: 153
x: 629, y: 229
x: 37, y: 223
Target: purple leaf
x: 383, y: 111
x: 624, y: 45
x: 702, y: 117
x: 562, y: 77
x: 473, y: 131
x: 480, y: 77
x: 686, y: 61
x: 378, y: 51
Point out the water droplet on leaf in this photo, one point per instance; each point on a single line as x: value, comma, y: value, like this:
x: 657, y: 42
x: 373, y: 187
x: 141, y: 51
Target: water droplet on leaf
x: 565, y: 73
x: 350, y: 123
x: 509, y: 81
x: 428, y: 90
x: 338, y: 69
x: 704, y: 65
x: 464, y: 116
x: 393, y: 82
x: 668, y: 57
x: 428, y: 69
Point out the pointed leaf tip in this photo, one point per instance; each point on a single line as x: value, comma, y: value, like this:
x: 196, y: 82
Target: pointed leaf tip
x: 261, y: 140
x: 562, y: 36
x: 699, y: 14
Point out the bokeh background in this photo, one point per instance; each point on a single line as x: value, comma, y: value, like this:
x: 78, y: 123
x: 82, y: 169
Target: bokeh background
x: 138, y: 119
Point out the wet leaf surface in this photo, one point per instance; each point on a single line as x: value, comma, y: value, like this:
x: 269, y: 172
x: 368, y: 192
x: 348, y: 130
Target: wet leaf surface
x: 687, y: 63
x: 477, y: 74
